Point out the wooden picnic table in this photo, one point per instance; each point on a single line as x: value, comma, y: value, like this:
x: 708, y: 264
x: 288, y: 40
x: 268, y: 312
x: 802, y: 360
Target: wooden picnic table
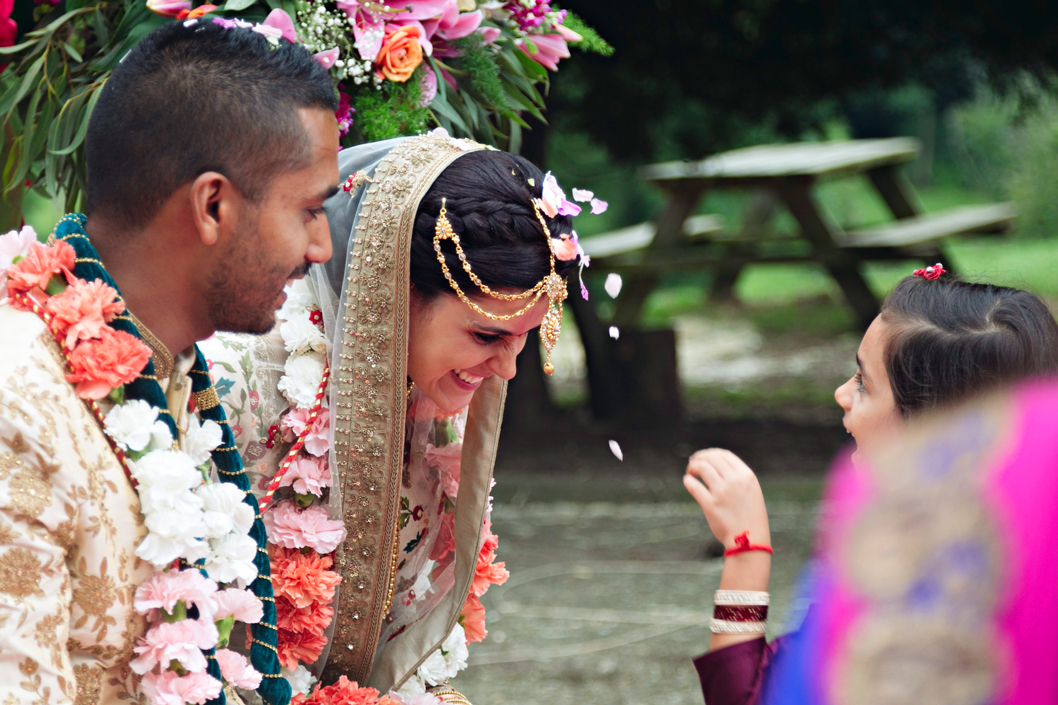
x: 777, y: 175
x: 784, y: 175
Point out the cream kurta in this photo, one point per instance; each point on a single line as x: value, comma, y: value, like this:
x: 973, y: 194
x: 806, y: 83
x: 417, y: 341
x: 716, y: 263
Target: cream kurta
x: 69, y: 525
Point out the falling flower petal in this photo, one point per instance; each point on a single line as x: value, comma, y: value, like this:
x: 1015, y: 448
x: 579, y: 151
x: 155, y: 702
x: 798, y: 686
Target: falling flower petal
x: 615, y: 333
x: 613, y: 284
x: 598, y: 206
x: 616, y: 450
x: 582, y: 195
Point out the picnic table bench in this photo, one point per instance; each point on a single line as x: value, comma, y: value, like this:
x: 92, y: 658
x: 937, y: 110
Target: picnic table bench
x: 777, y: 176
x: 784, y: 175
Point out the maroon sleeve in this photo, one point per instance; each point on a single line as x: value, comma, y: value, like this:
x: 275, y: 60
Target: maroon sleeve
x: 733, y: 675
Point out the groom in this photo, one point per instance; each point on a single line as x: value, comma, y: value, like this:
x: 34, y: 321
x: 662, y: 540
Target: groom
x: 210, y: 154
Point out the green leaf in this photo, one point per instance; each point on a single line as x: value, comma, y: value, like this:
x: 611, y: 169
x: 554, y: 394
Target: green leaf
x: 83, y: 129
x: 13, y: 96
x: 74, y: 54
x: 440, y: 105
x: 237, y: 5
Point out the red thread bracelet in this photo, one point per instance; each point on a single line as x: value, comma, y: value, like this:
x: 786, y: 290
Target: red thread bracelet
x: 742, y: 545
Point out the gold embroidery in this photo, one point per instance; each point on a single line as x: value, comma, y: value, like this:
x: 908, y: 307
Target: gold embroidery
x: 30, y: 492
x: 20, y: 574
x: 162, y: 358
x: 45, y: 633
x: 206, y: 399
x: 89, y: 683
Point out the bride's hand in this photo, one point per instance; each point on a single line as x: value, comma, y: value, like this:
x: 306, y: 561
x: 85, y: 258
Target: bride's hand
x: 729, y: 495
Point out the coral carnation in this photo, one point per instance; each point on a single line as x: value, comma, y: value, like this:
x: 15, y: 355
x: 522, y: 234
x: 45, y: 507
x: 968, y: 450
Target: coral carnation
x: 302, y: 579
x: 487, y: 573
x: 473, y: 619
x: 116, y: 358
x: 35, y: 270
x: 314, y: 618
x: 83, y: 310
x: 299, y: 647
x: 343, y: 692
x: 445, y: 542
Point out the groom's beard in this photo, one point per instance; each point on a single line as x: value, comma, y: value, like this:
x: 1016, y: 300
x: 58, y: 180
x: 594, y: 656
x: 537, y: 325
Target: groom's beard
x: 244, y: 292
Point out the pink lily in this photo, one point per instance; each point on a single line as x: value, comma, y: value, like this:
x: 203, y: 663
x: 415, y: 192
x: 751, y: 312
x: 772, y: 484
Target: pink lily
x: 369, y: 28
x: 280, y: 20
x: 168, y: 8
x: 549, y: 49
x: 327, y: 58
x: 489, y: 34
x: 568, y: 34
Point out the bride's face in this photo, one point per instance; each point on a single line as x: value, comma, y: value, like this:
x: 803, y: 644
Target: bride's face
x: 453, y: 349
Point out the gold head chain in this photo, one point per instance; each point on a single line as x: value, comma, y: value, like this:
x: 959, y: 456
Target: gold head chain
x: 553, y: 285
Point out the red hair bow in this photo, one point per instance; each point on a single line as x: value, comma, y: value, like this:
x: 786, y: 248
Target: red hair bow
x: 930, y: 273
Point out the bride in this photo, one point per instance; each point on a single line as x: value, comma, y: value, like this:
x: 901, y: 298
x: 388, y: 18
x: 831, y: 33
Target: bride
x: 368, y: 420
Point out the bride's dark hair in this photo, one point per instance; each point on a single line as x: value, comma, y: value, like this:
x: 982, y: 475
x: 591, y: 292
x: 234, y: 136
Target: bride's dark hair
x: 488, y: 197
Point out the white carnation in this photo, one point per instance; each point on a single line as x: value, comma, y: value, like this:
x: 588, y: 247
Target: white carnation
x: 231, y: 557
x: 224, y: 509
x: 300, y: 679
x: 134, y: 426
x: 411, y: 687
x: 171, y: 535
x: 434, y: 670
x: 303, y: 374
x: 298, y: 300
x: 165, y: 479
x: 455, y: 650
x: 200, y: 440
x: 300, y: 335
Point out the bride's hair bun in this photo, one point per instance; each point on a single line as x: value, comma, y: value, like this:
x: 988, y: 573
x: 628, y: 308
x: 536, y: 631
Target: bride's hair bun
x: 488, y: 196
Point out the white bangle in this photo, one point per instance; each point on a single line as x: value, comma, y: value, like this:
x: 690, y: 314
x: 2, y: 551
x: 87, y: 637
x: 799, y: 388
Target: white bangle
x: 741, y: 597
x: 721, y: 626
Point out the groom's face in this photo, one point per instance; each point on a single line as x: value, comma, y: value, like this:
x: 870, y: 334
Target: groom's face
x: 277, y: 238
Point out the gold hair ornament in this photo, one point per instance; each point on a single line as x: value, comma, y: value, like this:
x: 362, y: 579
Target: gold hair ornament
x: 552, y: 285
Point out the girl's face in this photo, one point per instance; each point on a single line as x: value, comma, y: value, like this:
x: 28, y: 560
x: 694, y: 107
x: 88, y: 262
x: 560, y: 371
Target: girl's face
x: 867, y: 398
x: 453, y: 349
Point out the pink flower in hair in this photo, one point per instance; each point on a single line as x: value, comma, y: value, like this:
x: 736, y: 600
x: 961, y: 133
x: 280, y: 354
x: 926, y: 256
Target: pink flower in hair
x: 164, y: 590
x: 243, y: 605
x: 235, y: 669
x: 565, y: 247
x: 168, y: 688
x: 305, y: 528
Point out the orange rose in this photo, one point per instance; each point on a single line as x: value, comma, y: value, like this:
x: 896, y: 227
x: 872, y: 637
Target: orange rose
x: 400, y: 54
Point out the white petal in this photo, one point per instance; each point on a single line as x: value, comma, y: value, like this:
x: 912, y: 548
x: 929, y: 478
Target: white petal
x: 613, y: 284
x: 615, y: 332
x: 616, y: 450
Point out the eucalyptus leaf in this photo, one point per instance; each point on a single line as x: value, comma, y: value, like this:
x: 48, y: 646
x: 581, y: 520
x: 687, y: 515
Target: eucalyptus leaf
x: 237, y: 5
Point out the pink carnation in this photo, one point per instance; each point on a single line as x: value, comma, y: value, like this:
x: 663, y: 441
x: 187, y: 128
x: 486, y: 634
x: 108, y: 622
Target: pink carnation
x: 183, y: 641
x: 235, y: 670
x: 446, y: 459
x: 164, y: 590
x: 293, y: 528
x: 307, y: 475
x: 316, y: 442
x: 83, y: 310
x: 473, y: 619
x: 243, y: 605
x: 116, y: 358
x: 167, y: 688
x: 35, y: 270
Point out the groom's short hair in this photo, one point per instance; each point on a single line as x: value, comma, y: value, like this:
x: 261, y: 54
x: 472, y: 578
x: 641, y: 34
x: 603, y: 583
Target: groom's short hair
x: 198, y: 98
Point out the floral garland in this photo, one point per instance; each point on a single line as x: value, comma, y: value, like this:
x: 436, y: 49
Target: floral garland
x: 301, y: 537
x: 189, y: 518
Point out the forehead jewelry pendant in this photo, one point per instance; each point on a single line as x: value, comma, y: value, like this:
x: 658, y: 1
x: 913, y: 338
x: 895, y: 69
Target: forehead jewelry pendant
x: 553, y: 285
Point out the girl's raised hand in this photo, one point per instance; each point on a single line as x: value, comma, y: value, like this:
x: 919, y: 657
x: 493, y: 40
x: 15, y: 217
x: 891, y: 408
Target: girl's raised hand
x: 729, y: 495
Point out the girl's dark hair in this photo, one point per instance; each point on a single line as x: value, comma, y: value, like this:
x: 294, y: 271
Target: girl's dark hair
x: 489, y: 204
x: 952, y: 339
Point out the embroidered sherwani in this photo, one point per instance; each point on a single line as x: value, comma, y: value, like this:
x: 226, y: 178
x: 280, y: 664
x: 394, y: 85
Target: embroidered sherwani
x: 69, y: 525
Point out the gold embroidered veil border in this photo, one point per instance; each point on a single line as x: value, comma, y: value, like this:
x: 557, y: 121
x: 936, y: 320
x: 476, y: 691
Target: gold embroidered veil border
x: 373, y: 226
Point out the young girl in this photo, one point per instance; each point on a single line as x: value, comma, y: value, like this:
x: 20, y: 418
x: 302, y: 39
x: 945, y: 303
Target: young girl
x: 936, y: 342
